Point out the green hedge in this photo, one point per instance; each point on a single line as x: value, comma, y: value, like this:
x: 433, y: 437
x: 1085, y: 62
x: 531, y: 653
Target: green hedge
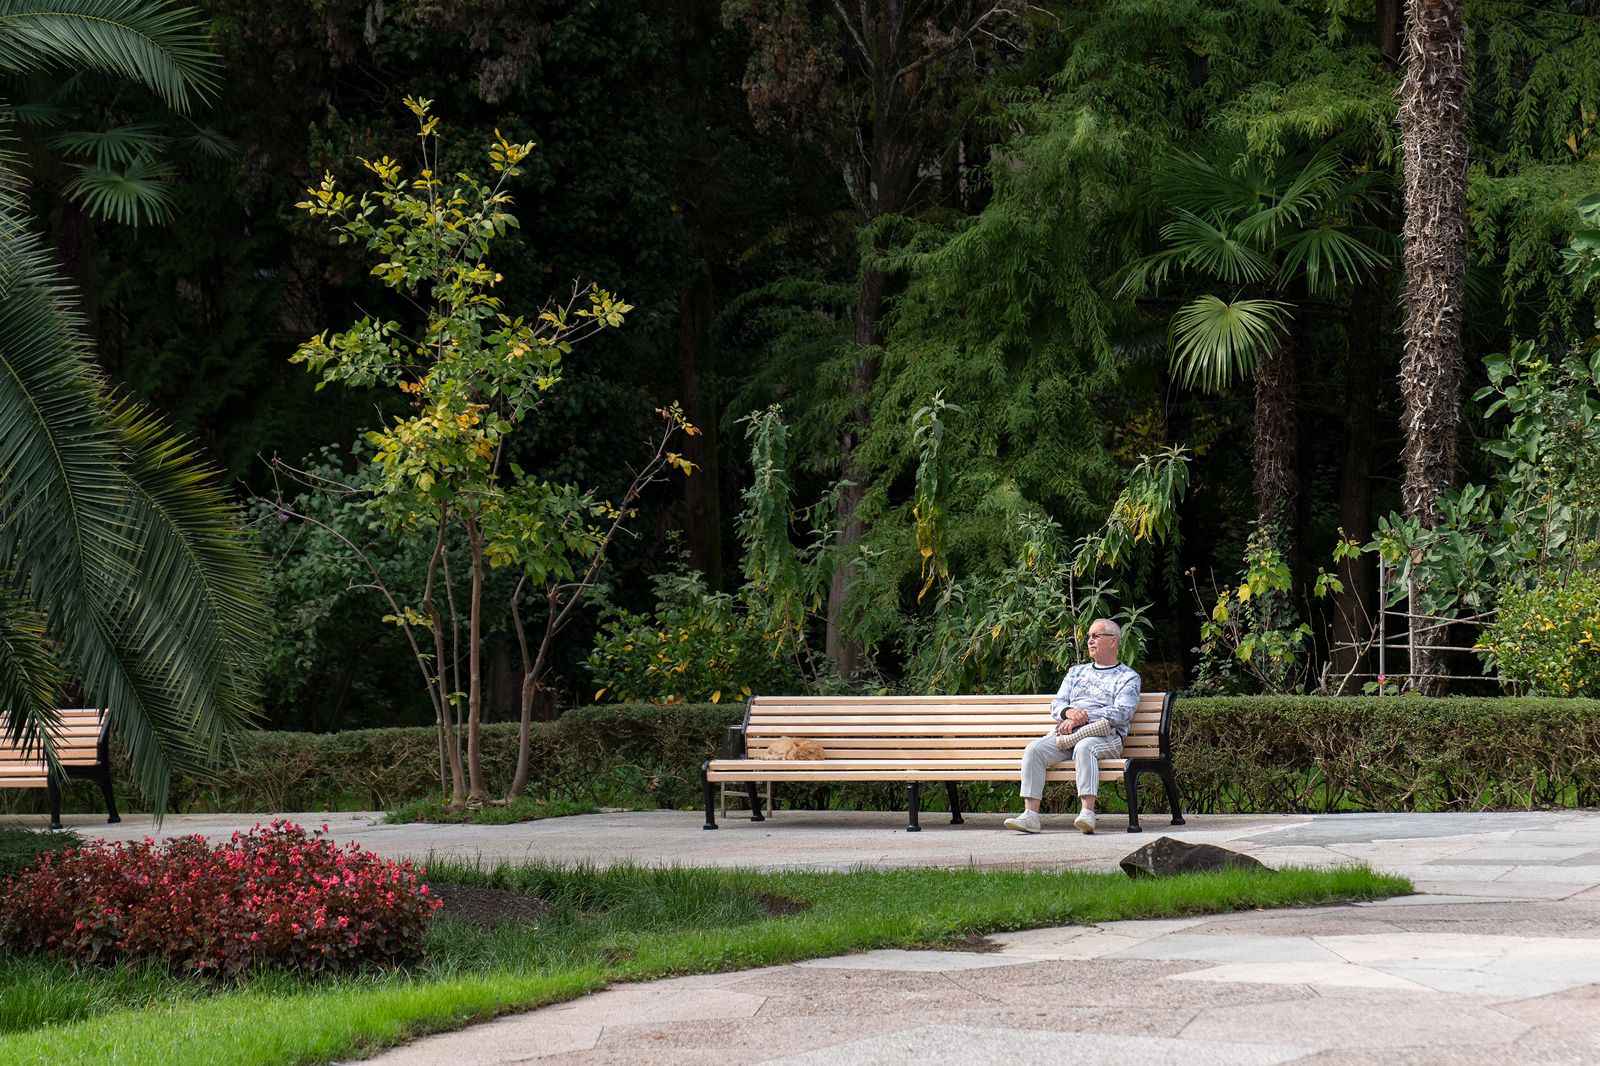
x: 1308, y: 753
x: 619, y: 753
x: 1234, y: 754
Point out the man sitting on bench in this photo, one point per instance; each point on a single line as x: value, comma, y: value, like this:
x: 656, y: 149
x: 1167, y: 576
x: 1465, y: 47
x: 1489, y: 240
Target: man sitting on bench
x: 1095, y: 705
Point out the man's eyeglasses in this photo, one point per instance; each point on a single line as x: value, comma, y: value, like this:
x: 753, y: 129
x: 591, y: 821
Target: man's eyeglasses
x: 1102, y: 636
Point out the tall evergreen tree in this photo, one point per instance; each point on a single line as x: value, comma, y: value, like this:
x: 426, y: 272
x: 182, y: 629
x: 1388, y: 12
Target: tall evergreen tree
x: 874, y: 82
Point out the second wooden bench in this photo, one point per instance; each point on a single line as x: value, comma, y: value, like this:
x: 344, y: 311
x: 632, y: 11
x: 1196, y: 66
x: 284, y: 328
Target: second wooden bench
x: 81, y: 748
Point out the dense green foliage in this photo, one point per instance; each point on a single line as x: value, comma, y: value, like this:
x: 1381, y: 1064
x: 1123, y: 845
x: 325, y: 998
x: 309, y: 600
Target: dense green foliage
x: 1239, y: 156
x: 597, y: 926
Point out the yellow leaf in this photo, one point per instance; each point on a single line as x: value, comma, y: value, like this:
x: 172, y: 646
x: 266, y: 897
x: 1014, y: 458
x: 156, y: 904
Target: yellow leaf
x: 716, y: 697
x: 1244, y: 593
x: 600, y: 693
x: 1572, y: 143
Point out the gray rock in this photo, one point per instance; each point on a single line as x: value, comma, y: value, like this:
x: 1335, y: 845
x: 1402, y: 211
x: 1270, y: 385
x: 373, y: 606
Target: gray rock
x: 1165, y: 856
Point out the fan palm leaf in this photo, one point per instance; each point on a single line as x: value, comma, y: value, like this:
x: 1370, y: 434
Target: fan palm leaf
x: 1328, y: 257
x: 127, y: 194
x: 1210, y: 247
x: 1216, y: 343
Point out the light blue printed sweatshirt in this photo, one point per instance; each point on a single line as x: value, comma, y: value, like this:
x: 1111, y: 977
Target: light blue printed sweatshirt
x: 1109, y: 692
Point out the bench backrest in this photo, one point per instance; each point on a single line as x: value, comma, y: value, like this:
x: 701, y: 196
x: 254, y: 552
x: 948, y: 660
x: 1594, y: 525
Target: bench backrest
x: 887, y: 727
x: 79, y: 741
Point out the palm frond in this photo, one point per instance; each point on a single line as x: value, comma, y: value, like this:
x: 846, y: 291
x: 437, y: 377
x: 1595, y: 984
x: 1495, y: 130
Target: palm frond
x: 1285, y: 207
x: 1209, y: 247
x: 60, y: 461
x: 152, y: 42
x: 30, y: 672
x: 209, y: 142
x: 130, y: 194
x: 1202, y: 186
x: 201, y: 582
x: 1146, y: 274
x: 1216, y: 343
x: 39, y: 113
x: 1329, y: 256
x: 119, y: 145
x: 126, y: 548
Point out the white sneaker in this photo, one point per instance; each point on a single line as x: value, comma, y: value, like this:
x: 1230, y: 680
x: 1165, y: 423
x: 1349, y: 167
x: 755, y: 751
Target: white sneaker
x: 1084, y: 821
x: 1026, y: 822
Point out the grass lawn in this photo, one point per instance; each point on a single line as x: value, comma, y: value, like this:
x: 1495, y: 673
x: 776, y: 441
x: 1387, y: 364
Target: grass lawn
x: 601, y: 926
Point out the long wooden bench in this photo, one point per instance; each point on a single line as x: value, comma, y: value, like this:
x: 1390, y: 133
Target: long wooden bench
x: 80, y: 744
x: 919, y: 739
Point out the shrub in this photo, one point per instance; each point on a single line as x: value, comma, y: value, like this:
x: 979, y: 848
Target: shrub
x: 275, y: 896
x: 1546, y: 639
x: 699, y: 645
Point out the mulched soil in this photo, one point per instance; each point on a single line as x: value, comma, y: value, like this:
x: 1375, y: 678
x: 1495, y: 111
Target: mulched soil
x: 488, y: 908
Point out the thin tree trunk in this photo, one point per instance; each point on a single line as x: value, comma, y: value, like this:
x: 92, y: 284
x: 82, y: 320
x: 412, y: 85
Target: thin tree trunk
x: 842, y: 649
x: 1275, y: 442
x: 1387, y: 29
x: 477, y: 794
x: 1433, y: 133
x: 702, y: 492
x: 449, y: 744
x: 530, y: 685
x: 891, y: 174
x: 1352, y: 612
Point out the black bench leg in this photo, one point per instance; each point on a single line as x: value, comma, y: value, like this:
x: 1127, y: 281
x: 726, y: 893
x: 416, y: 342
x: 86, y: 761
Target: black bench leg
x: 1170, y: 780
x: 753, y: 790
x: 1131, y: 779
x: 711, y: 799
x: 54, y: 788
x: 104, y: 779
x: 955, y: 802
x: 913, y: 805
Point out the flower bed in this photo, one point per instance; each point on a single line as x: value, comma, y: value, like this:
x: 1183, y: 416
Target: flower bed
x: 275, y: 896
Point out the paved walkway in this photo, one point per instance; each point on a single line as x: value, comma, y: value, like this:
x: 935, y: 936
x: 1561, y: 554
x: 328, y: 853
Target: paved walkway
x: 1496, y: 959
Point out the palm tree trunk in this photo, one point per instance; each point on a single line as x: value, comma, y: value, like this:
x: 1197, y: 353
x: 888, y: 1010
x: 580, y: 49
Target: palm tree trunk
x: 1433, y: 133
x: 1275, y: 442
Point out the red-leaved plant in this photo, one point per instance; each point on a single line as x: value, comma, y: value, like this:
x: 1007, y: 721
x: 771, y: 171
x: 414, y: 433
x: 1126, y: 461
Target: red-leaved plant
x: 275, y: 896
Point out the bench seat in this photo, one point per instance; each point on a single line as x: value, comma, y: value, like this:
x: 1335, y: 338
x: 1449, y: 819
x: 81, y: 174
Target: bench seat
x: 917, y: 739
